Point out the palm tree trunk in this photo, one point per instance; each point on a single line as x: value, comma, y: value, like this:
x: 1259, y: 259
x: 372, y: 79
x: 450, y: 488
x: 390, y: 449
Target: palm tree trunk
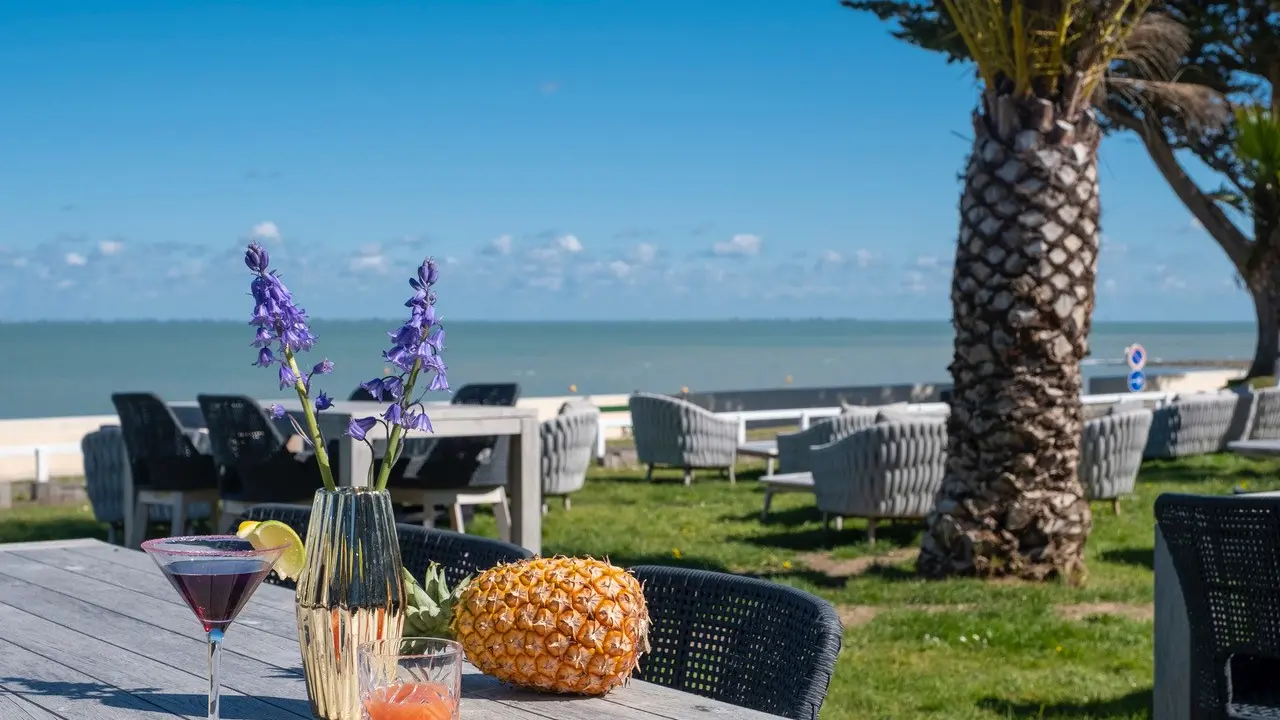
x: 1267, y: 310
x: 1022, y: 295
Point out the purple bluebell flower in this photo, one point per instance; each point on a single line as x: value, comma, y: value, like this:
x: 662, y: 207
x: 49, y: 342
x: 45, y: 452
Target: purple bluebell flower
x: 263, y: 338
x: 323, y: 402
x: 359, y: 427
x: 256, y: 258
x: 277, y: 410
x: 287, y: 378
x: 324, y: 367
x: 393, y: 413
x: 393, y: 386
x: 416, y: 420
x: 374, y: 387
x: 265, y: 358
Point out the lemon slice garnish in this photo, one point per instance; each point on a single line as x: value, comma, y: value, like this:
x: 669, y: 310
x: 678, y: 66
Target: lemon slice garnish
x: 273, y: 534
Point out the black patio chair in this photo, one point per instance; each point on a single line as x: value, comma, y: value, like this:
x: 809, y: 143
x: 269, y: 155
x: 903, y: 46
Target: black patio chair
x: 459, y: 472
x: 166, y: 466
x: 1226, y: 553
x: 459, y: 555
x: 748, y: 642
x: 255, y: 464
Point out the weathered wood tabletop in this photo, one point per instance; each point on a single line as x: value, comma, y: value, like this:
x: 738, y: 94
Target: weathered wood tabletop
x: 91, y: 631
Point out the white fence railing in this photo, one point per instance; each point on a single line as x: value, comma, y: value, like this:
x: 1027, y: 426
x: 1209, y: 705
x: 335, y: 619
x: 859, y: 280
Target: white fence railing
x: 805, y: 416
x: 41, y: 455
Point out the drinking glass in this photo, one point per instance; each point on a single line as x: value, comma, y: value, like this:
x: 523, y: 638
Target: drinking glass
x: 410, y: 679
x: 215, y: 575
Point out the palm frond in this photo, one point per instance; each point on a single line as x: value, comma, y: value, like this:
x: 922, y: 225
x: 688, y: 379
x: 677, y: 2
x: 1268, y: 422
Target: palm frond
x: 1201, y: 109
x: 1058, y: 49
x: 1258, y: 142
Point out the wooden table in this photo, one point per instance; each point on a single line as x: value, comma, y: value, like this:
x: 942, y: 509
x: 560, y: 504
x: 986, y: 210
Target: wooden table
x: 91, y: 631
x: 524, y: 484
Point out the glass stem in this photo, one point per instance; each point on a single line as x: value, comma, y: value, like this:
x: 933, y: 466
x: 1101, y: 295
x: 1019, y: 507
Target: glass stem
x: 215, y: 660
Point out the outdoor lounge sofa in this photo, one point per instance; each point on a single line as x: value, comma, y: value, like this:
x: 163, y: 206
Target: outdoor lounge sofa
x: 568, y: 444
x: 1191, y: 425
x: 674, y: 433
x: 1111, y: 453
x: 888, y: 470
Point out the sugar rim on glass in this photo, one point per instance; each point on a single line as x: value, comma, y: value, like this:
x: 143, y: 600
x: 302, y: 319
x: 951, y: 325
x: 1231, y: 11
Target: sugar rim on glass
x: 158, y: 545
x: 443, y: 648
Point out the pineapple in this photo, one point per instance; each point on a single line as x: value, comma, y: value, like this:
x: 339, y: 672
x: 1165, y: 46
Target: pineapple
x: 564, y: 625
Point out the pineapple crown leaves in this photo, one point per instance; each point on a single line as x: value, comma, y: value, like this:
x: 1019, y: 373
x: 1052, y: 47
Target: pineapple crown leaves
x: 429, y: 611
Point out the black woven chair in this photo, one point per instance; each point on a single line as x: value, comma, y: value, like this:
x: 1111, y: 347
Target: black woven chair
x: 166, y: 466
x: 457, y: 554
x: 255, y: 464
x: 470, y: 469
x: 748, y: 642
x: 297, y: 517
x: 1226, y: 552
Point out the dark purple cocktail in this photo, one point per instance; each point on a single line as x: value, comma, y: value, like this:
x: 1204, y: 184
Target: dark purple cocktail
x: 215, y: 575
x: 216, y: 589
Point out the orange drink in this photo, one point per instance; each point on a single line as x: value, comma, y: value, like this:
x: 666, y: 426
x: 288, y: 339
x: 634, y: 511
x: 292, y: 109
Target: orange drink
x: 411, y: 701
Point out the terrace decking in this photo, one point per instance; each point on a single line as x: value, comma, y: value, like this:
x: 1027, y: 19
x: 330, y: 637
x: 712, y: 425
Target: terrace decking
x: 90, y: 631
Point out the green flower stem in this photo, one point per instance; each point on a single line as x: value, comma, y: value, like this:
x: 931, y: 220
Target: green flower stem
x: 317, y: 440
x: 394, y: 439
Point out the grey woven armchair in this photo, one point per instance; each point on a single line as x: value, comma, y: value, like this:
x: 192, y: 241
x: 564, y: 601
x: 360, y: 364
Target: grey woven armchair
x: 568, y: 444
x: 1191, y: 425
x: 1265, y: 421
x: 793, y: 448
x: 889, y: 470
x: 1111, y: 453
x: 675, y: 433
x: 106, y: 475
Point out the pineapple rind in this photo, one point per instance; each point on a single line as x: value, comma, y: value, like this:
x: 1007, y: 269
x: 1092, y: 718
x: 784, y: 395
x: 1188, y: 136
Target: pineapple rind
x: 564, y: 625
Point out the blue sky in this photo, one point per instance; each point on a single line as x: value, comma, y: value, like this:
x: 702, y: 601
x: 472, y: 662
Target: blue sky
x: 563, y: 158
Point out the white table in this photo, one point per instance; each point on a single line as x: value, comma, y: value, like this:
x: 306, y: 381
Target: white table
x: 524, y: 483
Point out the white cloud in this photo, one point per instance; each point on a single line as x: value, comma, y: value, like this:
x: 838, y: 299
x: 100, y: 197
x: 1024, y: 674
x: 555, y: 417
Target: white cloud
x: 371, y: 259
x: 64, y: 284
x: 569, y: 243
x: 864, y: 257
x: 110, y: 247
x: 742, y: 244
x: 265, y: 230
x: 20, y: 262
x: 927, y: 261
x: 831, y: 257
x: 914, y: 282
x: 620, y: 268
x: 1173, y: 282
x: 644, y: 253
x: 500, y: 245
x: 75, y: 259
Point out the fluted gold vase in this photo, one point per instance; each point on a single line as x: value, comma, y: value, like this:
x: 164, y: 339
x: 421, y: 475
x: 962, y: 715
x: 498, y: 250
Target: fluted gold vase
x: 350, y: 592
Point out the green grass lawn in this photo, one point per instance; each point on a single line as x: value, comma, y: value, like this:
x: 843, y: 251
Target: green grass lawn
x: 912, y: 648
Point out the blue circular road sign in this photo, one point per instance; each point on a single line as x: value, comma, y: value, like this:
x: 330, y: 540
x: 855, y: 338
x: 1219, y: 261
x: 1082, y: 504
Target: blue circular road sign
x: 1136, y: 356
x: 1137, y: 381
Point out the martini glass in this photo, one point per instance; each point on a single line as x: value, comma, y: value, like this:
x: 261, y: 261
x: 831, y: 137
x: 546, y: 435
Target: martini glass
x: 215, y: 575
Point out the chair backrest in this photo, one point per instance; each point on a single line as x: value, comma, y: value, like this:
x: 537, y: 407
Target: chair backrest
x: 748, y: 642
x: 658, y: 423
x: 496, y: 394
x: 568, y: 442
x: 297, y: 517
x: 105, y: 465
x: 458, y: 554
x: 1226, y: 553
x: 240, y: 432
x: 150, y: 429
x: 471, y: 461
